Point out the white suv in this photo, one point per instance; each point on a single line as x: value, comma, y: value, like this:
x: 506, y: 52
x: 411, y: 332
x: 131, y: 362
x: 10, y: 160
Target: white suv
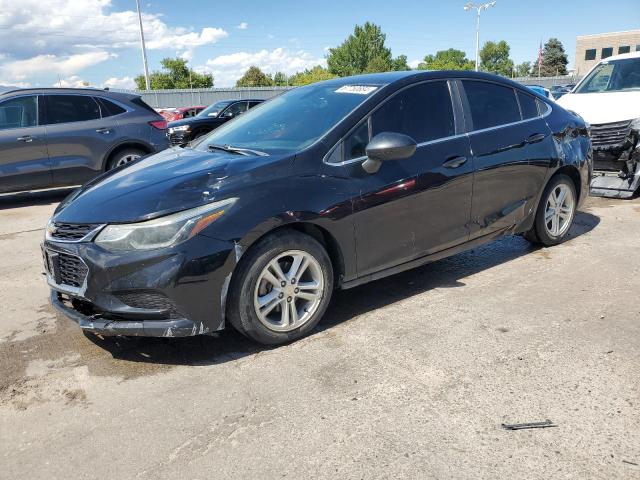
x: 609, y: 99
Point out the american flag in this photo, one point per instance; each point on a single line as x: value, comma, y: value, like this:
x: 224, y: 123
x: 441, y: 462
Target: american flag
x: 540, y: 55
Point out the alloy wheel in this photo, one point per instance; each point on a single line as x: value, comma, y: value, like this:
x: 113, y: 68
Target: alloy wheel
x: 127, y: 159
x: 288, y: 291
x: 559, y: 210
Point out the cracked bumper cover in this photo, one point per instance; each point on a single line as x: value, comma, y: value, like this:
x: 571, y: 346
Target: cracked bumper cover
x: 191, y: 277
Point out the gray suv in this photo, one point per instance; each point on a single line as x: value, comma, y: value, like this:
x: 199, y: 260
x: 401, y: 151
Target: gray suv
x: 55, y: 137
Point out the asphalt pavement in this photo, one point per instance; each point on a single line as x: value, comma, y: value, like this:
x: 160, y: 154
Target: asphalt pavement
x: 411, y: 376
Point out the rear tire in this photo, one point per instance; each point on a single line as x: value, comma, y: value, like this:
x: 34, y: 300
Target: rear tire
x: 124, y: 157
x: 555, y: 213
x: 281, y: 288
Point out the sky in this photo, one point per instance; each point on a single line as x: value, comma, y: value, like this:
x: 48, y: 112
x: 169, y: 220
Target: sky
x: 70, y: 42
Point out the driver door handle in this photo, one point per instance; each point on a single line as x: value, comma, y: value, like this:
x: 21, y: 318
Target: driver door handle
x: 455, y: 162
x: 103, y: 130
x: 26, y: 139
x: 538, y: 137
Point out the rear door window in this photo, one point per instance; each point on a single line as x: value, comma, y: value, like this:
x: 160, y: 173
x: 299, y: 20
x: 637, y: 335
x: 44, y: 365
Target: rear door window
x: 19, y: 112
x: 71, y: 108
x: 108, y: 108
x: 528, y: 106
x: 424, y: 112
x: 491, y: 104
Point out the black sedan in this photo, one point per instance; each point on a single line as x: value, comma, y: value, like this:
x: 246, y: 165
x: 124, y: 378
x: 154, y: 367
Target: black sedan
x: 183, y: 131
x: 327, y: 186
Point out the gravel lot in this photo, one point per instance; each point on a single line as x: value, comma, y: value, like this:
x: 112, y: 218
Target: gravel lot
x: 408, y: 377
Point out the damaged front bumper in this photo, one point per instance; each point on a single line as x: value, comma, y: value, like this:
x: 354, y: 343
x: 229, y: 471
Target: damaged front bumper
x: 616, y: 155
x: 173, y: 292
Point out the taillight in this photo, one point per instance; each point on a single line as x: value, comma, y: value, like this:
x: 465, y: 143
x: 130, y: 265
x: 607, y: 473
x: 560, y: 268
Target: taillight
x: 159, y: 124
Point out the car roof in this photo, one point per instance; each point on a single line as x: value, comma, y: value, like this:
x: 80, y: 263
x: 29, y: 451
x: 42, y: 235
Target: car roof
x: 387, y: 78
x: 402, y: 78
x: 74, y: 91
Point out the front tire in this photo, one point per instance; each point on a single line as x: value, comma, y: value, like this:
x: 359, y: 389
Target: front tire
x: 555, y: 213
x: 281, y: 288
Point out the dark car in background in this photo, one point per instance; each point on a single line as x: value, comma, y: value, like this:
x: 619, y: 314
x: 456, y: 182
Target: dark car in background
x: 53, y: 137
x: 183, y: 131
x: 327, y: 186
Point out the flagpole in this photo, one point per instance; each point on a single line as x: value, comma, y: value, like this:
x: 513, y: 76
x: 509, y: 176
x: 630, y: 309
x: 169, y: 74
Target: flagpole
x: 540, y: 58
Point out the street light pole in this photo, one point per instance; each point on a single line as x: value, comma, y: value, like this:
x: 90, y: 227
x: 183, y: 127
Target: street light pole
x: 144, y: 49
x: 479, y: 9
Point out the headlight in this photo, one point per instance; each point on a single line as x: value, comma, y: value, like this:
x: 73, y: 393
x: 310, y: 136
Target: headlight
x: 164, y: 231
x: 181, y: 128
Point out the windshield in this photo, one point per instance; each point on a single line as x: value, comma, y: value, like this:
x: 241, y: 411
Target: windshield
x: 213, y: 110
x: 291, y: 121
x: 612, y: 76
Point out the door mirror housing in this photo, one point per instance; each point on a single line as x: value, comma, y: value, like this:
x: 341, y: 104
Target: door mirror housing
x: 388, y: 146
x: 228, y: 115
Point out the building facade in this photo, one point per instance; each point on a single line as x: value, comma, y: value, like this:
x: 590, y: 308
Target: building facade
x: 590, y: 49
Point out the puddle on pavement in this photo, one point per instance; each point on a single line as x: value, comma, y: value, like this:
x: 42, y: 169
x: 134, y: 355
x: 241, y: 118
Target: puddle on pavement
x: 28, y: 365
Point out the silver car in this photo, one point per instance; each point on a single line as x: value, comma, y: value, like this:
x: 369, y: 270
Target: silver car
x: 54, y: 137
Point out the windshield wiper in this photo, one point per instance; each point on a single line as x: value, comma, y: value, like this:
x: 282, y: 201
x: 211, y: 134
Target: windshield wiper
x: 241, y: 151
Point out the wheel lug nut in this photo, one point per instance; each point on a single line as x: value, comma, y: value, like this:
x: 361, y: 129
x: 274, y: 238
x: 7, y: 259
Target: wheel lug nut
x: 288, y: 299
x: 297, y: 290
x: 283, y: 284
x: 281, y: 295
x: 293, y: 281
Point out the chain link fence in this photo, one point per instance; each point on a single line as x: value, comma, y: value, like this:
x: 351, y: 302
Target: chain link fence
x: 207, y: 96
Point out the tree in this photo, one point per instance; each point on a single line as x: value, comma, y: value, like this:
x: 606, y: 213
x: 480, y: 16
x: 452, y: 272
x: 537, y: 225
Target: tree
x: 316, y: 74
x: 280, y: 79
x: 554, y: 59
x: 523, y: 69
x: 254, y: 77
x: 175, y: 74
x: 494, y: 58
x: 451, y: 59
x: 364, y: 51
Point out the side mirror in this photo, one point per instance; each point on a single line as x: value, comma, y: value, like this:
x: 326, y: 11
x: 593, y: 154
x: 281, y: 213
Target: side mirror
x: 388, y: 146
x: 229, y: 115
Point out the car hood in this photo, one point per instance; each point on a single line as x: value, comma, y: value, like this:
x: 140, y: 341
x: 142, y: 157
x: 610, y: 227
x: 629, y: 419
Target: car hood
x: 192, y: 121
x: 597, y: 108
x: 170, y: 181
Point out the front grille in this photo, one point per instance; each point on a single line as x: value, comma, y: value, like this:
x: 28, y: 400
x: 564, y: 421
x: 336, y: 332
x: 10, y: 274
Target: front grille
x: 149, y: 300
x: 72, y: 270
x: 610, y: 135
x: 71, y: 231
x: 176, y: 139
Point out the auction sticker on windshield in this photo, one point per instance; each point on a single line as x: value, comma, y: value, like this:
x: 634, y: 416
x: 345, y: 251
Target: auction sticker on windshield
x: 357, y: 89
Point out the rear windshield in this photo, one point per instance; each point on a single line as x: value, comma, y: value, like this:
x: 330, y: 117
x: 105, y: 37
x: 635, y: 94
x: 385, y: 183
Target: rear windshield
x: 293, y: 120
x: 612, y: 76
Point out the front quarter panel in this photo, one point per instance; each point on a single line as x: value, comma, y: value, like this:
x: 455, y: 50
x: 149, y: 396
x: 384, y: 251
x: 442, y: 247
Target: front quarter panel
x: 322, y: 197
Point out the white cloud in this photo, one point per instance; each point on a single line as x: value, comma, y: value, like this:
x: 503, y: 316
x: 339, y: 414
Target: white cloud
x: 228, y: 68
x: 125, y: 83
x: 36, y: 31
x: 243, y: 26
x: 20, y: 70
x: 414, y: 63
x: 71, y: 82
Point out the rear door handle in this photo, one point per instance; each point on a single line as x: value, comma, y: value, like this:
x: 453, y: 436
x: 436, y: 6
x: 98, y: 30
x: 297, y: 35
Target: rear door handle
x: 103, y: 130
x: 538, y: 137
x: 26, y: 139
x: 455, y: 162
